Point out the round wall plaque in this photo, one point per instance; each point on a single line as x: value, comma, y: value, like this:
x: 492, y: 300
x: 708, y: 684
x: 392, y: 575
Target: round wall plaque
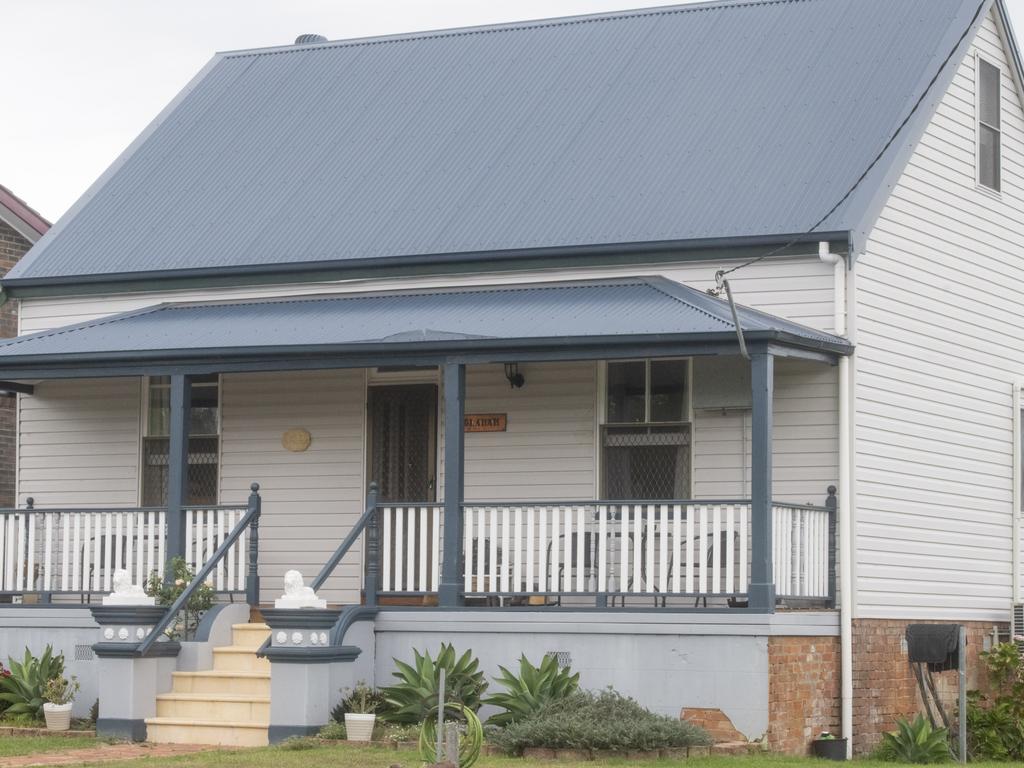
x: 297, y: 440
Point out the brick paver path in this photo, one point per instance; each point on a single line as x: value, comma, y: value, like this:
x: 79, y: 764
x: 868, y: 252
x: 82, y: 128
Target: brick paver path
x: 101, y: 753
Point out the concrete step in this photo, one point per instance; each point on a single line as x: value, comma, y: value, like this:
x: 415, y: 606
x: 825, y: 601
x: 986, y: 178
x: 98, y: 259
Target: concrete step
x: 235, y: 658
x: 214, y: 707
x: 249, y: 635
x: 222, y: 682
x: 183, y: 730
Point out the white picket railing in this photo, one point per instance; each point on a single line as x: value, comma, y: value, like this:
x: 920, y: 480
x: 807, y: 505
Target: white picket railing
x: 800, y: 539
x: 78, y: 550
x: 683, y: 548
x: 410, y: 544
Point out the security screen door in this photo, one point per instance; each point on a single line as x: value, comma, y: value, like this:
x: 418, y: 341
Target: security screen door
x: 403, y: 441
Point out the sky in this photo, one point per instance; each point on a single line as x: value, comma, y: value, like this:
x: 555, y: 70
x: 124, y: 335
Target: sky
x: 82, y: 78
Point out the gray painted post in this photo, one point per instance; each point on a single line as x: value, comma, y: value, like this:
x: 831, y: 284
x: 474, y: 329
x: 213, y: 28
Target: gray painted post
x: 762, y: 583
x: 450, y: 593
x: 832, y: 505
x: 252, y: 581
x: 372, y: 585
x: 177, y: 468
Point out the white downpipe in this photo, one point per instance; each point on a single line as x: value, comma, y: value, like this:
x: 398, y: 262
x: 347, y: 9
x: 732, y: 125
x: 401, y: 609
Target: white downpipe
x: 846, y: 527
x: 1016, y: 512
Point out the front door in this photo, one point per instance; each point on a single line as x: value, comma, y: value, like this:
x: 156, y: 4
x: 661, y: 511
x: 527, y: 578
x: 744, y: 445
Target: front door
x: 403, y: 441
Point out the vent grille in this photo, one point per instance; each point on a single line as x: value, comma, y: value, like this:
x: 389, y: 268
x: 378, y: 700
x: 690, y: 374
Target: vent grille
x: 1017, y: 626
x: 563, y: 658
x: 83, y: 653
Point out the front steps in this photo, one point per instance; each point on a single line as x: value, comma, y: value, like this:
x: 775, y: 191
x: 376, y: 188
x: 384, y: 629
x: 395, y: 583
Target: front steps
x: 228, y: 705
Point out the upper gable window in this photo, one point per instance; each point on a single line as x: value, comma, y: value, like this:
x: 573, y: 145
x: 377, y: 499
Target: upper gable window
x: 989, y: 125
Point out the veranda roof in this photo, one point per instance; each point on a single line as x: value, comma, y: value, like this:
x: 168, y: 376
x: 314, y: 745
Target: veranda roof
x: 555, y: 320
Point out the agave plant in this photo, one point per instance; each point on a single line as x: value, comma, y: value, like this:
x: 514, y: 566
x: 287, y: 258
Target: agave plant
x: 415, y: 695
x: 22, y: 689
x: 915, y: 742
x: 534, y: 687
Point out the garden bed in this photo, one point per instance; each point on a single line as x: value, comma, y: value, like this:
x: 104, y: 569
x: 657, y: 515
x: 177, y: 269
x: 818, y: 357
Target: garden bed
x: 74, y: 733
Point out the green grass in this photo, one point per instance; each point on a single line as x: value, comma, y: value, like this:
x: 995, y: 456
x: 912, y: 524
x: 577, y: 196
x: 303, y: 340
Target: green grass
x: 342, y: 756
x: 30, y: 745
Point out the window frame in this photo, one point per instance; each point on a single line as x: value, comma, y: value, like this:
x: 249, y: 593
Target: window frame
x: 601, y: 420
x: 144, y: 433
x: 979, y: 123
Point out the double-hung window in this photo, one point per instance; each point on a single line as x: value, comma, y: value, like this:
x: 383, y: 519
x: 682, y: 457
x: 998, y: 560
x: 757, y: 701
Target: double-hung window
x: 645, y: 440
x: 203, y: 442
x: 989, y: 125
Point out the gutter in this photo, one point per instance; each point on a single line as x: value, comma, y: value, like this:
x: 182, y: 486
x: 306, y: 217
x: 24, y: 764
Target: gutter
x: 843, y: 315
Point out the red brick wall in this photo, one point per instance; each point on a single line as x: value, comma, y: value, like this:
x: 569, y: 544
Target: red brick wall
x: 12, y: 247
x: 884, y: 686
x: 803, y: 691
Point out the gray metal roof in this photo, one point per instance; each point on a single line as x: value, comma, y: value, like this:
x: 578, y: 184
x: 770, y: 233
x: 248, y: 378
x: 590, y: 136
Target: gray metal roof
x: 563, y: 314
x: 664, y: 125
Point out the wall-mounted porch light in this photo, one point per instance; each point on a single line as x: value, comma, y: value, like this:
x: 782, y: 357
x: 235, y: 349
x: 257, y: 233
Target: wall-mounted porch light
x: 515, y: 378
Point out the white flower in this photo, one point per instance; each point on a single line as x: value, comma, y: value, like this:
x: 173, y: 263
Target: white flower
x: 179, y: 582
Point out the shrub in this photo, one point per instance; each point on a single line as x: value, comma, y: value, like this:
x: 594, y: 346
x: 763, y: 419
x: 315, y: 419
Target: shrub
x: 416, y: 694
x: 184, y: 626
x: 915, y: 742
x: 605, y: 720
x: 60, y: 690
x: 995, y: 723
x: 299, y: 743
x: 22, y: 689
x: 360, y: 700
x: 333, y: 731
x: 532, y: 689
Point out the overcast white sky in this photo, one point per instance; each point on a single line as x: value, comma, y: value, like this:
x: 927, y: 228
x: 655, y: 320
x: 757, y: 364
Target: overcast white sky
x: 81, y: 78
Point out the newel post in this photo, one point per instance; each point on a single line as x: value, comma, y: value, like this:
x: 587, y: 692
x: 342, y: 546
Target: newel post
x: 372, y: 586
x: 762, y: 582
x: 450, y: 593
x: 832, y: 505
x: 252, y: 582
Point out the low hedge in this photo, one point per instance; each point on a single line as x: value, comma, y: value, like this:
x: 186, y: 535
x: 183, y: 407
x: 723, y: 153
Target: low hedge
x: 597, y: 721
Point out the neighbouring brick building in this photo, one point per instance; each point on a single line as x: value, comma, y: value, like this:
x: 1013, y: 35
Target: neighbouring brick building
x: 20, y: 227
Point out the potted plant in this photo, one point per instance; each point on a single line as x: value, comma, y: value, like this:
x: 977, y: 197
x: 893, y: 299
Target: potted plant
x: 361, y: 705
x: 58, y: 695
x: 829, y: 747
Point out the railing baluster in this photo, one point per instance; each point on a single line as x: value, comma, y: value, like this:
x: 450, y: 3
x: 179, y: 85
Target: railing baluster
x: 517, y: 560
x: 716, y: 550
x: 505, y: 543
x: 553, y: 552
x: 744, y: 522
x: 108, y: 575
x: 602, y: 549
x: 435, y: 568
x: 481, y: 550
x: 624, y: 548
x: 97, y: 551
x: 581, y: 542
x: 676, y: 565
x: 730, y: 548
x: 663, y: 550
x: 47, y: 552
x: 691, y: 545
x: 566, y: 549
x: 650, y: 572
x: 638, y: 540
x: 702, y: 550
x: 530, y: 549
x: 423, y: 554
x: 492, y: 576
x: 19, y: 583
x: 4, y: 557
x: 387, y: 550
x: 470, y: 550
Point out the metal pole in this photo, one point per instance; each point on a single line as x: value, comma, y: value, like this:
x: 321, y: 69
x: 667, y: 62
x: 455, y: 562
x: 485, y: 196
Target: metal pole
x: 962, y: 715
x: 439, y: 754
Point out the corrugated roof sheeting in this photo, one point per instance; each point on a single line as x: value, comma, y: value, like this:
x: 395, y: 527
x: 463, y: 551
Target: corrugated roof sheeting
x: 629, y: 307
x: 668, y: 124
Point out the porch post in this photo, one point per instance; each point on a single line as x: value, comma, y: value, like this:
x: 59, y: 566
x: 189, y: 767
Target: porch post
x: 450, y: 591
x: 762, y: 582
x: 177, y: 467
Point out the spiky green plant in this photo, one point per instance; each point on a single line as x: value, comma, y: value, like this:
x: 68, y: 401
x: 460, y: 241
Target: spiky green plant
x: 531, y: 689
x: 22, y: 690
x: 416, y: 693
x: 915, y: 742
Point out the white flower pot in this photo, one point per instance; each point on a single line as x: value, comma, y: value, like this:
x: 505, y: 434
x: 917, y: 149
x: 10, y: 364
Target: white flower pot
x: 58, y: 716
x: 359, y: 727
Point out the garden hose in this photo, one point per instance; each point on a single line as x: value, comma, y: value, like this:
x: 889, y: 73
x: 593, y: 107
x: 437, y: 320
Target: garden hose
x: 470, y: 742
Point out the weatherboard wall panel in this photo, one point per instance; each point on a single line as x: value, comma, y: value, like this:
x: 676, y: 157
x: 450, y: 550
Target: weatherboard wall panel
x: 939, y: 344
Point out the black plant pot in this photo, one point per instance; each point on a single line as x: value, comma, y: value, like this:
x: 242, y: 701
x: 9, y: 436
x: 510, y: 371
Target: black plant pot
x: 830, y: 749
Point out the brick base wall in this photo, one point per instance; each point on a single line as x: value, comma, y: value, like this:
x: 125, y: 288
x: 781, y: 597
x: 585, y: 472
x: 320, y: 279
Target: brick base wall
x: 803, y: 691
x: 884, y: 686
x: 12, y: 248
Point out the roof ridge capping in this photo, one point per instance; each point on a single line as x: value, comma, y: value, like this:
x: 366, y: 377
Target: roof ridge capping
x: 509, y: 26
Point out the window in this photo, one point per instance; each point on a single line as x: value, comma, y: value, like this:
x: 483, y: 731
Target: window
x: 646, y: 436
x: 203, y: 442
x: 989, y: 125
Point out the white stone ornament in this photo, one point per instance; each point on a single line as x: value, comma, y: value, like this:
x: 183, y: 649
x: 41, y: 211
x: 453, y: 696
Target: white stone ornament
x: 296, y: 638
x: 126, y: 593
x: 108, y: 633
x: 281, y: 638
x: 140, y: 633
x: 323, y: 638
x: 314, y: 638
x: 297, y: 594
x: 122, y: 633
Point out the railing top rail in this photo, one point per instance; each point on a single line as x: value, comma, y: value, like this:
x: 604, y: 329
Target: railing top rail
x: 214, y: 507
x: 808, y: 507
x: 601, y: 502
x: 417, y: 504
x: 77, y: 510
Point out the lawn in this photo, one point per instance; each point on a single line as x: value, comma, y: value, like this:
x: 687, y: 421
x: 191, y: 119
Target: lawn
x: 340, y: 756
x: 29, y: 745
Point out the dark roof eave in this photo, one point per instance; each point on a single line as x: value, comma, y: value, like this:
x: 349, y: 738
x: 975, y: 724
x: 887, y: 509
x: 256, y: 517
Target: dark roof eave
x: 467, y: 260
x: 263, y: 358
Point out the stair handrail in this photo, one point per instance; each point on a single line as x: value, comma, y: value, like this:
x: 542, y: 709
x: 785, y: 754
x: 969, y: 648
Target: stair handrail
x: 252, y: 590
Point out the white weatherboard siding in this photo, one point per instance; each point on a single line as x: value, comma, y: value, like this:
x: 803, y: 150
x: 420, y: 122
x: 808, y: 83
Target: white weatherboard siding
x: 78, y: 443
x: 798, y: 288
x: 940, y: 340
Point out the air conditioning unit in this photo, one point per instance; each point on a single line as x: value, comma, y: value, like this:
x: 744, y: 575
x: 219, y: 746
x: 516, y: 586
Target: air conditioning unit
x: 1017, y: 626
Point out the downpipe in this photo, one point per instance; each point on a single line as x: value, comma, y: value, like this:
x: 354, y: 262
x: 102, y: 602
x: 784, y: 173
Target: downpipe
x: 842, y: 304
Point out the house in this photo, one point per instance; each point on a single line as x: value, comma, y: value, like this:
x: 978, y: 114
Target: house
x: 427, y: 318
x: 20, y: 227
